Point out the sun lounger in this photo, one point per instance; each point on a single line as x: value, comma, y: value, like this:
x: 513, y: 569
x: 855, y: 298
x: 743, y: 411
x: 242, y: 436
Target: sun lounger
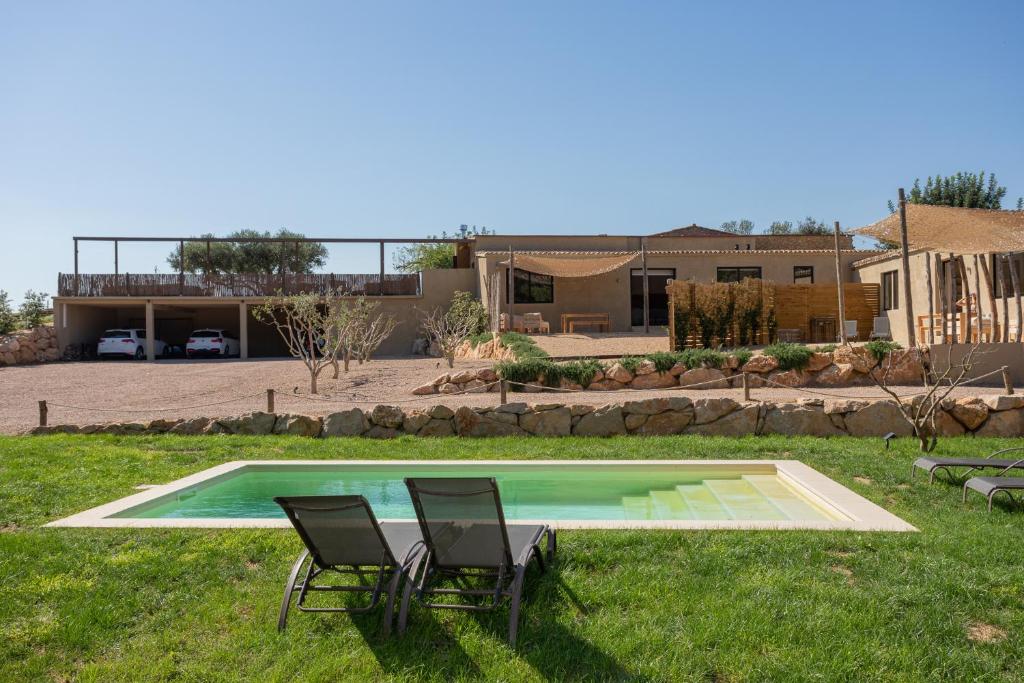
x: 343, y: 538
x: 931, y: 464
x: 470, y: 552
x: 990, y: 486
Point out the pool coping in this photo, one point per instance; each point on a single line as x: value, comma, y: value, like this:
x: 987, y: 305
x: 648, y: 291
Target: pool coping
x: 861, y: 514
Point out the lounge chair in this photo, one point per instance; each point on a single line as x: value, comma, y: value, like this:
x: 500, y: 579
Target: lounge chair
x: 931, y: 464
x: 990, y: 486
x: 535, y: 323
x: 342, y: 536
x: 881, y: 328
x: 850, y: 327
x: 468, y: 542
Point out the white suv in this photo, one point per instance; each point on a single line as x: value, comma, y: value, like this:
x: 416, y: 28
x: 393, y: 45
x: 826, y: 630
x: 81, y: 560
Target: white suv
x: 211, y: 342
x: 130, y: 342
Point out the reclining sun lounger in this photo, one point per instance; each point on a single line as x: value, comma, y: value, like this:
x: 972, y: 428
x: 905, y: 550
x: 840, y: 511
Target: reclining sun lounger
x: 990, y: 486
x: 933, y: 463
x: 468, y: 543
x: 342, y: 537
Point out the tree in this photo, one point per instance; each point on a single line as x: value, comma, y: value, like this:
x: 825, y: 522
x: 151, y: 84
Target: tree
x: 418, y: 257
x: 33, y: 309
x: 780, y: 228
x: 810, y: 226
x: 448, y: 329
x: 965, y: 189
x: 740, y: 227
x: 251, y: 257
x: 8, y: 319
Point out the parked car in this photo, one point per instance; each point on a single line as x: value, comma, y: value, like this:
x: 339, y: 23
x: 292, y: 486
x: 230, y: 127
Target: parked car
x: 211, y: 342
x: 129, y: 342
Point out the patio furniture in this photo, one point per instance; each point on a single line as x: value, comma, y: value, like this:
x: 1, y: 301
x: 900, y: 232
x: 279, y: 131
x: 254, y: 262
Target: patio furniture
x: 517, y: 323
x: 990, y: 486
x: 850, y: 327
x: 789, y: 335
x: 534, y: 322
x: 933, y: 463
x: 343, y: 538
x: 468, y: 544
x: 880, y: 329
x: 570, y: 321
x: 823, y: 328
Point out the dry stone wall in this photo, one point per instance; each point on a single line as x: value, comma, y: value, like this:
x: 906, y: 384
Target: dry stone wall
x: 38, y: 345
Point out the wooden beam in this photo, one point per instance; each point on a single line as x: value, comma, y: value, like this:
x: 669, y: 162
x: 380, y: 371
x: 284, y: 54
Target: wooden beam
x: 990, y: 291
x: 77, y: 293
x: 908, y: 300
x: 382, y: 269
x: 940, y: 276
x: 647, y: 292
x: 954, y: 318
x: 181, y: 268
x: 511, y: 287
x: 931, y: 300
x: 965, y: 285
x: 115, y: 259
x: 1015, y: 278
x: 839, y: 287
x: 1001, y: 262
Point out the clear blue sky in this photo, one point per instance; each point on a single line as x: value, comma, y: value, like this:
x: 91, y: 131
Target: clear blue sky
x: 405, y: 119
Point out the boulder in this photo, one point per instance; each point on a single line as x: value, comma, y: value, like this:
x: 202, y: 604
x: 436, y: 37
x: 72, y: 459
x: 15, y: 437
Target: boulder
x: 707, y: 378
x: 818, y: 361
x: 677, y: 369
x: 579, y: 410
x: 996, y: 403
x: 856, y: 356
x: 838, y: 406
x: 414, y: 421
x: 669, y: 422
x: 517, y: 408
x: 646, y: 367
x: 387, y: 416
x: 539, y: 407
x: 506, y: 418
x: 653, y: 406
x: 606, y: 385
x: 569, y: 385
x: 634, y: 420
x: 470, y: 423
x: 440, y: 412
x: 425, y: 389
x: 878, y: 418
x: 486, y: 375
x: 436, y: 427
x: 1003, y: 423
x: 901, y: 367
x: 554, y: 422
x: 707, y: 410
x: 475, y: 386
x: 603, y: 421
x: 191, y: 426
x: 352, y: 422
x: 737, y: 423
x: 653, y: 380
x: 382, y: 432
x: 835, y: 375
x: 161, y: 425
x: 970, y: 412
x: 761, y: 363
x: 463, y: 376
x: 298, y: 425
x: 946, y: 425
x: 618, y: 373
x: 449, y: 388
x: 256, y: 422
x: 793, y: 419
x: 443, y: 379
x: 788, y: 378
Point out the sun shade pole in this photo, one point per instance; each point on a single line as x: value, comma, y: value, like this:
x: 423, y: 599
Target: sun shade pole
x: 968, y: 326
x: 1000, y: 265
x: 839, y: 290
x: 940, y: 279
x: 647, y: 292
x: 905, y: 246
x: 954, y: 334
x: 931, y: 299
x: 511, y: 285
x: 382, y: 268
x: 1015, y: 278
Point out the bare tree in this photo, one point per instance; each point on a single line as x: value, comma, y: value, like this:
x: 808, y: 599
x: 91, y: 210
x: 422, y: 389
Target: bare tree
x: 448, y: 330
x: 492, y: 297
x: 922, y: 410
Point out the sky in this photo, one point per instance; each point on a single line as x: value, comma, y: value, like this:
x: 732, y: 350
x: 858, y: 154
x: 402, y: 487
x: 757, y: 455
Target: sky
x: 392, y: 119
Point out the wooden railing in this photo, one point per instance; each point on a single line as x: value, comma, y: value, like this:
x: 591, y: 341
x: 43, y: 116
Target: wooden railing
x: 238, y: 284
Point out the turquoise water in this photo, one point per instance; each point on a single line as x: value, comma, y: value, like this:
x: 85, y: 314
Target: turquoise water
x: 537, y: 492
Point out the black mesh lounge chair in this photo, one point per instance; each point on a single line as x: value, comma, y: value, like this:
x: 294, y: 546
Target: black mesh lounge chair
x: 990, y: 486
x: 470, y: 548
x: 931, y: 464
x: 342, y: 537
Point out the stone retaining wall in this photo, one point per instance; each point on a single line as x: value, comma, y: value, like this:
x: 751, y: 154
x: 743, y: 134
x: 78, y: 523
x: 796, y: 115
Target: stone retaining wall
x: 38, y: 345
x: 988, y: 416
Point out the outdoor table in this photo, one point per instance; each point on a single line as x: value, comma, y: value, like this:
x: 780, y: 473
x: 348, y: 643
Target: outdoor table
x: 570, y: 320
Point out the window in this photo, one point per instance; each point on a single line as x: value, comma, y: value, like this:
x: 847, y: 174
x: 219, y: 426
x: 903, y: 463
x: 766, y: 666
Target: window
x: 890, y: 291
x: 736, y: 274
x: 803, y: 275
x: 533, y: 288
x: 1007, y: 276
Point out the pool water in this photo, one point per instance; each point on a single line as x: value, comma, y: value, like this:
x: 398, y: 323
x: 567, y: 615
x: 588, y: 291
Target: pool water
x: 528, y: 492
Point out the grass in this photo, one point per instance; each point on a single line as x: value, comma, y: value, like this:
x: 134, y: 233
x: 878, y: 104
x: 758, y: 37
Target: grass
x: 199, y: 605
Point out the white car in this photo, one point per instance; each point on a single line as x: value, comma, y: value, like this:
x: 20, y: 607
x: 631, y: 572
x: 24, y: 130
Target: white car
x: 211, y: 342
x: 129, y: 342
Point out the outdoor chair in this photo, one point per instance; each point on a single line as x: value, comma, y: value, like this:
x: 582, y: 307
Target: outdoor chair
x: 470, y: 552
x: 533, y: 322
x: 931, y: 464
x: 343, y: 538
x: 850, y: 326
x: 880, y: 328
x: 990, y: 486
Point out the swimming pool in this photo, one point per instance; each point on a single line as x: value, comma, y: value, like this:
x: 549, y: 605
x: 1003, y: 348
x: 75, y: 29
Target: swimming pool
x: 746, y: 494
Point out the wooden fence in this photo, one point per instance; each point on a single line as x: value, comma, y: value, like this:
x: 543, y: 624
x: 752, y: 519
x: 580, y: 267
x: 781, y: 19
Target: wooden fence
x: 796, y: 306
x: 239, y: 284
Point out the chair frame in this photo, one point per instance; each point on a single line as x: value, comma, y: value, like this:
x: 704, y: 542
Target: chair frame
x: 948, y: 468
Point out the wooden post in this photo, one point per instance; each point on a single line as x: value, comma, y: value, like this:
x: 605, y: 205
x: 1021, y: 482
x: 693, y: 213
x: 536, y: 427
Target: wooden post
x: 382, y: 268
x: 270, y: 400
x: 503, y: 389
x: 940, y: 277
x: 977, y: 299
x: 115, y: 261
x: 42, y: 413
x: 284, y: 269
x: 511, y: 289
x: 990, y: 291
x: 931, y: 299
x: 954, y: 319
x: 76, y: 268
x: 1015, y: 278
x: 968, y: 327
x: 908, y: 300
x: 1001, y: 262
x: 839, y: 287
x: 1007, y: 381
x: 746, y: 387
x: 647, y: 292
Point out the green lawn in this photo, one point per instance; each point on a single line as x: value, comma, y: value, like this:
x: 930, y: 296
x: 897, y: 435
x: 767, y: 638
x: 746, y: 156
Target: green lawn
x: 149, y: 604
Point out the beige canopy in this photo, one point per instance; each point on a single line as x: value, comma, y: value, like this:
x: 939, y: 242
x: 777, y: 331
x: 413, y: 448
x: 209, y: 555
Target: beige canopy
x: 572, y: 264
x: 953, y: 229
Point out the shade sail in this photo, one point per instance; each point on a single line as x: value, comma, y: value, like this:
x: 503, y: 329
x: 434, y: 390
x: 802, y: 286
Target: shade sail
x: 953, y: 229
x: 580, y: 264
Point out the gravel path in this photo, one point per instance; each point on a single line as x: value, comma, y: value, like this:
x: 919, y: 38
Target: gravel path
x: 109, y: 391
x: 559, y: 345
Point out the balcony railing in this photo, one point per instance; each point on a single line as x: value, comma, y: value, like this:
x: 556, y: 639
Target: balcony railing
x: 238, y: 284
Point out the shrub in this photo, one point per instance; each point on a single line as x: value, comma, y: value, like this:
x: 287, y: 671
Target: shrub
x: 466, y: 306
x: 476, y: 340
x: 522, y: 346
x: 879, y: 348
x: 8, y: 320
x: 526, y: 371
x: 826, y: 348
x: 702, y: 358
x: 581, y: 372
x: 742, y: 355
x: 33, y: 309
x: 790, y: 356
x: 631, y: 363
x: 663, y: 360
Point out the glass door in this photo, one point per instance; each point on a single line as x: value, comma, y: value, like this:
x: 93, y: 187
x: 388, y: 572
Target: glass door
x: 657, y: 297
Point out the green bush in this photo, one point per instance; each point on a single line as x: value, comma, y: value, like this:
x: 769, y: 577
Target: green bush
x: 790, y: 356
x: 533, y: 370
x: 879, y: 348
x: 663, y: 360
x: 581, y: 372
x: 33, y: 309
x: 522, y: 346
x: 826, y: 348
x: 466, y: 306
x: 742, y: 355
x: 8, y: 320
x: 631, y: 363
x: 702, y: 358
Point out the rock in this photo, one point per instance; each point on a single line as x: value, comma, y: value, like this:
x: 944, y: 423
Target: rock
x: 788, y: 378
x: 878, y: 418
x: 298, y: 425
x: 818, y: 361
x: 653, y: 406
x: 517, y: 408
x: 997, y: 403
x: 440, y: 412
x: 1003, y: 423
x: 486, y: 375
x: 737, y: 423
x: 475, y: 386
x: 256, y: 422
x: 634, y: 420
x: 425, y: 389
x: 555, y: 422
x: 669, y: 422
x: 414, y: 421
x: 970, y: 412
x: 793, y: 420
x: 532, y: 387
x: 946, y: 425
x: 580, y: 410
x: 606, y: 385
x: 732, y: 362
x: 352, y: 422
x: 677, y: 369
x: 856, y: 356
x: 815, y: 402
x: 564, y: 383
x: 604, y: 421
x: 161, y: 425
x: 436, y: 427
x: 653, y: 380
x: 449, y: 388
x: 51, y: 354
x: 215, y: 427
x: 191, y: 426
x: 443, y: 379
x: 701, y: 376
x: 760, y: 363
x: 387, y: 416
x: 843, y: 405
x: 538, y: 407
x: 463, y: 376
x: 618, y: 373
x: 381, y: 432
x: 470, y: 423
x: 837, y: 374
x: 901, y: 367
x: 506, y: 418
x: 646, y: 367
x: 710, y: 409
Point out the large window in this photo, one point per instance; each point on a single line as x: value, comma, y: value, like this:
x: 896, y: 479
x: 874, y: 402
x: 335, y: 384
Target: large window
x: 803, y: 275
x: 890, y: 290
x: 730, y: 274
x: 533, y: 288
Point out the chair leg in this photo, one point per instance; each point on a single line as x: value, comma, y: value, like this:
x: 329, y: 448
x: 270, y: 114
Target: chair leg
x: 410, y: 582
x: 552, y: 544
x: 513, y: 611
x: 389, y: 604
x: 289, y: 588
